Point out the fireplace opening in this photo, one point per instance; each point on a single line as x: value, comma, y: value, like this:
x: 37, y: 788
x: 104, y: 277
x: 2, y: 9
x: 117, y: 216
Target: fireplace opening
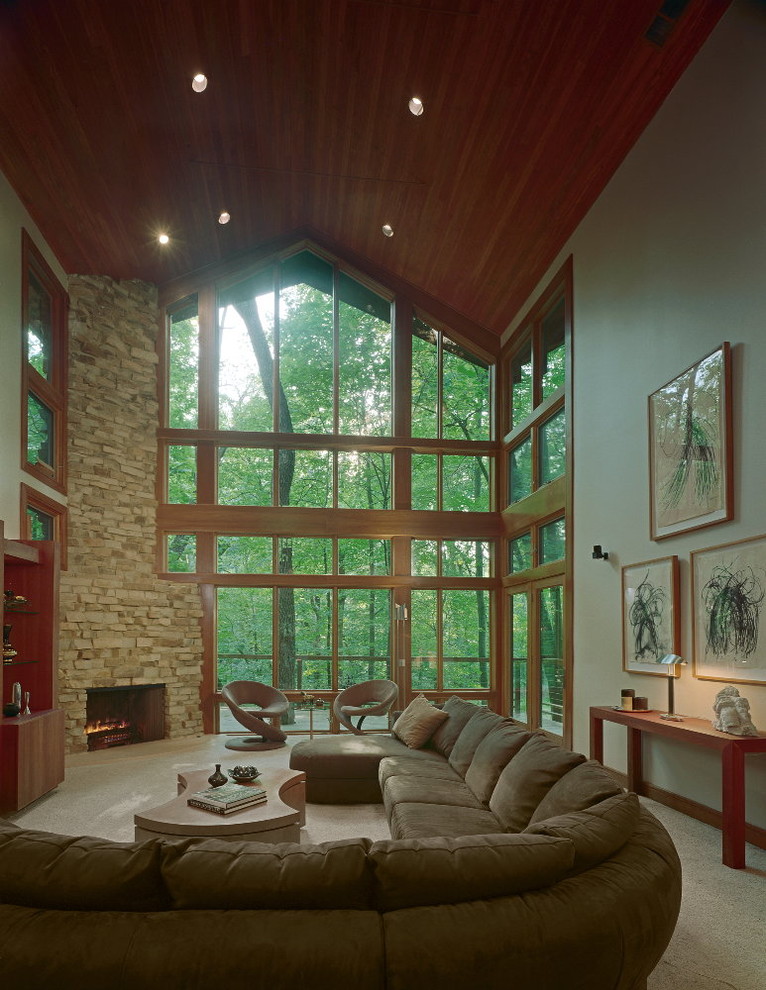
x: 121, y: 716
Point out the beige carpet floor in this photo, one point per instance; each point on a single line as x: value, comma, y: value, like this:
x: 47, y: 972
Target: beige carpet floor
x: 719, y: 944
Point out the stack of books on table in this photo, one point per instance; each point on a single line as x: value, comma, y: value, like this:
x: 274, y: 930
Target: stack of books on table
x: 227, y: 798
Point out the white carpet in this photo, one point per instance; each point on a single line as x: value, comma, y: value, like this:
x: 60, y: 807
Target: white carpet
x: 719, y: 944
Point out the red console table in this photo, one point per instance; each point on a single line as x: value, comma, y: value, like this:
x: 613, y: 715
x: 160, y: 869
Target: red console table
x: 696, y: 732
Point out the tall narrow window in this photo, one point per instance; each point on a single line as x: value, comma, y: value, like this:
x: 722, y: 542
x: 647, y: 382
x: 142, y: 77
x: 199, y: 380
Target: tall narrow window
x: 538, y: 502
x: 44, y: 365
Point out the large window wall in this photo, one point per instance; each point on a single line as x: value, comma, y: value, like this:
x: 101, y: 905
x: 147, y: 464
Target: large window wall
x: 327, y: 475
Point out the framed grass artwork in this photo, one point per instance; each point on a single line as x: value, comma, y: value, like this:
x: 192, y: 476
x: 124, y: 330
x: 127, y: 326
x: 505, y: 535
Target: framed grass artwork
x: 728, y: 597
x: 650, y: 615
x: 690, y: 467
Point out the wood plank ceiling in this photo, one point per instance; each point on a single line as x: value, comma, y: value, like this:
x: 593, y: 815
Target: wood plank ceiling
x: 530, y: 105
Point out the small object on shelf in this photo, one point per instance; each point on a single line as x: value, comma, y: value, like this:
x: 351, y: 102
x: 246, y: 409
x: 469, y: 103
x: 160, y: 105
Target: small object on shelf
x: 26, y: 704
x: 217, y: 779
x: 14, y: 601
x: 16, y: 693
x: 10, y: 710
x: 733, y: 713
x: 242, y: 774
x: 8, y: 651
x: 626, y: 696
x: 640, y: 704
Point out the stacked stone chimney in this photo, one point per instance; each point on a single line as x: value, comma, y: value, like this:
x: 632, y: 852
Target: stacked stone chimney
x: 120, y: 624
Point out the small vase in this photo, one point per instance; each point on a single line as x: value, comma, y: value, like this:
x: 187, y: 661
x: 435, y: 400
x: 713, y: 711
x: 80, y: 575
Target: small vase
x: 217, y: 778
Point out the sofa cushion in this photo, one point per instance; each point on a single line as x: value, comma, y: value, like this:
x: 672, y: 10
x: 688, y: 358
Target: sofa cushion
x: 492, y: 756
x: 459, y: 712
x: 416, y: 872
x: 394, y: 766
x: 192, y: 950
x: 418, y: 722
x: 421, y: 821
x: 63, y: 872
x: 527, y: 779
x: 219, y: 874
x: 597, y: 832
x: 428, y: 790
x: 471, y: 735
x: 584, y: 785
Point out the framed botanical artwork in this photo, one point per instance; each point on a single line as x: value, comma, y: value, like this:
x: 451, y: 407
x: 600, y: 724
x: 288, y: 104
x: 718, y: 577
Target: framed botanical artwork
x: 690, y: 461
x: 728, y: 597
x: 650, y: 615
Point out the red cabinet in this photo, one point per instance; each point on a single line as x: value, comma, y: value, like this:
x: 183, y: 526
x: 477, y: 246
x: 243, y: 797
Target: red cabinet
x: 31, y: 746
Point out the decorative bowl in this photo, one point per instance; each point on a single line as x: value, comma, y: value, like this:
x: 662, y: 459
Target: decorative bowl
x: 244, y: 774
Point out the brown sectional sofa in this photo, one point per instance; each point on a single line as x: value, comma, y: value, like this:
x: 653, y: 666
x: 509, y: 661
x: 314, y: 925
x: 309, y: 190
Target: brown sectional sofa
x: 517, y: 866
x: 486, y: 788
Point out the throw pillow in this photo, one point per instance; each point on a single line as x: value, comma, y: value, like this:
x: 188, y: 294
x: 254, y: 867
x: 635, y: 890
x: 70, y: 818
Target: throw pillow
x: 466, y: 744
x: 527, y: 779
x: 597, y: 832
x: 459, y: 712
x: 418, y: 722
x: 585, y: 785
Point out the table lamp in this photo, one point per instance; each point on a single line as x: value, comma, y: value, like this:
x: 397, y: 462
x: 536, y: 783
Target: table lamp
x: 671, y: 661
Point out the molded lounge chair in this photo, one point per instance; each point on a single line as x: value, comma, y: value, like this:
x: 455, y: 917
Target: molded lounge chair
x: 273, y: 705
x: 367, y: 698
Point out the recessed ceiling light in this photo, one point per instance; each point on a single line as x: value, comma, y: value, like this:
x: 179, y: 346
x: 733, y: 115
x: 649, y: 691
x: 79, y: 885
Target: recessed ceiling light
x: 387, y: 229
x: 224, y: 217
x: 416, y: 106
x: 199, y: 82
x: 163, y: 239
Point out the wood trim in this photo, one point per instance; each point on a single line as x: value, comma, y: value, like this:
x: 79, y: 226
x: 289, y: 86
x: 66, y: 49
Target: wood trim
x: 288, y: 521
x: 754, y: 834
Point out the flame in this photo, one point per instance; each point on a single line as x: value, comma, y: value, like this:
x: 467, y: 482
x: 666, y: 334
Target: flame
x: 100, y: 726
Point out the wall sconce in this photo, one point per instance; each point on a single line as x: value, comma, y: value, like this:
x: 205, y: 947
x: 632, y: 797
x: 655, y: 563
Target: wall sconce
x: 599, y: 553
x: 671, y: 661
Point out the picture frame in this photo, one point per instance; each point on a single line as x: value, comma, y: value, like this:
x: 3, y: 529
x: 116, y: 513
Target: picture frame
x: 690, y: 448
x: 650, y: 615
x: 728, y: 586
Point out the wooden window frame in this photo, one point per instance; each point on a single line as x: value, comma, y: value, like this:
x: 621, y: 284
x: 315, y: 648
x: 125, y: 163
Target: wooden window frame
x: 31, y: 498
x: 400, y: 523
x: 52, y: 391
x: 546, y: 502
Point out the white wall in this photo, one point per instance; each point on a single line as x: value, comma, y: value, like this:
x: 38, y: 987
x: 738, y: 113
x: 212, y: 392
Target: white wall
x: 13, y: 217
x: 670, y: 262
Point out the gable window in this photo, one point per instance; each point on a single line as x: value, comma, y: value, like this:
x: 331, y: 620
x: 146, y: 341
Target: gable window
x: 44, y: 378
x: 327, y: 541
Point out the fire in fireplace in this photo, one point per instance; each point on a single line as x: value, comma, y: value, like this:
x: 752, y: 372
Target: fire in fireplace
x: 120, y: 716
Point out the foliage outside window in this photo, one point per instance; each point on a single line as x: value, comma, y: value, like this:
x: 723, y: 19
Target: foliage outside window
x: 44, y: 369
x: 538, y: 502
x: 295, y: 469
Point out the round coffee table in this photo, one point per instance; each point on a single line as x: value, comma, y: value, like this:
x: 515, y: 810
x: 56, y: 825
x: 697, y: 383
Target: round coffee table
x: 278, y: 819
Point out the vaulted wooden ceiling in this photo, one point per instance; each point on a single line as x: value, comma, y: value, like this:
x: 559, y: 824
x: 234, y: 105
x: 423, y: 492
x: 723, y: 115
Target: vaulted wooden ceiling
x: 530, y: 105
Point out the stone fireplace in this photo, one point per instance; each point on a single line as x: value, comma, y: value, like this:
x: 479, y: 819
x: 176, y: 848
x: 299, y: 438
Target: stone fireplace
x: 121, y: 716
x: 120, y: 623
